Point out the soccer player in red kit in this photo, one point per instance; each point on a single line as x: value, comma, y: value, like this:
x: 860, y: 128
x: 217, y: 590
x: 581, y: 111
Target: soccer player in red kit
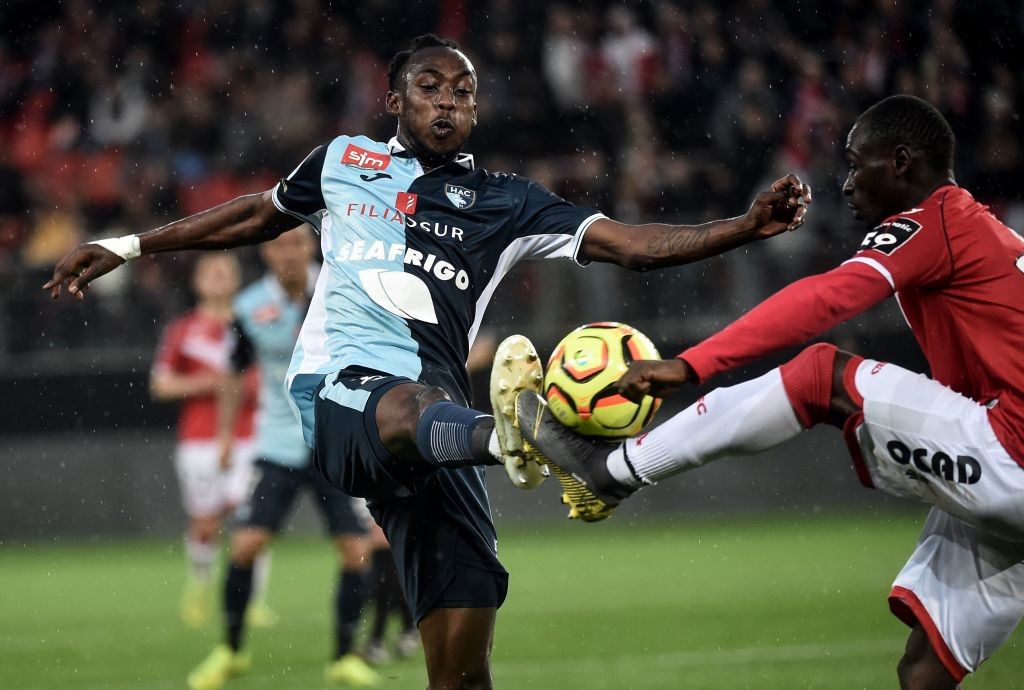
x: 955, y: 440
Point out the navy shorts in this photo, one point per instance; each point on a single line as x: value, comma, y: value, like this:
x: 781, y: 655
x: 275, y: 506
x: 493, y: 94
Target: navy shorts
x: 437, y: 520
x: 278, y: 486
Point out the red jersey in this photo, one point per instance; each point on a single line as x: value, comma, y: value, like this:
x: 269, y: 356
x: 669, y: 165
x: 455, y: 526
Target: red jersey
x: 194, y: 344
x: 958, y: 274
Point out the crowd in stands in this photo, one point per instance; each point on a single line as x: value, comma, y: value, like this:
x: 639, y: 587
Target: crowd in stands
x: 119, y: 116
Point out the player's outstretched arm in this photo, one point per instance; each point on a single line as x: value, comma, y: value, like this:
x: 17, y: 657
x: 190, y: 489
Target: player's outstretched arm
x: 642, y: 247
x: 248, y: 219
x: 793, y: 315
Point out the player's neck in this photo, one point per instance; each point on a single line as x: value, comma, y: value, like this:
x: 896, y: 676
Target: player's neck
x: 216, y: 309
x: 927, y: 186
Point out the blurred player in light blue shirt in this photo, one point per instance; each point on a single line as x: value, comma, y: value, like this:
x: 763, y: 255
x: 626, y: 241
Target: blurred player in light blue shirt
x: 267, y: 321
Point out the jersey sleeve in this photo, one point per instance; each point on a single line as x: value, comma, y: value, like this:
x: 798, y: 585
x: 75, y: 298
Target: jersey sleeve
x: 300, y: 194
x: 793, y: 315
x: 549, y: 226
x: 169, y: 358
x: 909, y: 250
x: 242, y: 352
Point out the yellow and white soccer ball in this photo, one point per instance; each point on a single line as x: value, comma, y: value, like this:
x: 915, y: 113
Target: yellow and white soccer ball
x: 579, y: 382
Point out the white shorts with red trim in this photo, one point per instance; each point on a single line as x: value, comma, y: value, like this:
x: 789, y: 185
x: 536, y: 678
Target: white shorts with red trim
x: 966, y: 588
x: 965, y: 581
x: 206, y: 489
x: 919, y: 439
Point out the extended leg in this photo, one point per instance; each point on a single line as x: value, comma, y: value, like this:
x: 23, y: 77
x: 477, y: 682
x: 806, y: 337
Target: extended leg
x: 813, y: 388
x: 420, y: 424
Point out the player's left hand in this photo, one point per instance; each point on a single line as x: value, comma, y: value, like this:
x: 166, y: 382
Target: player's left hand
x: 656, y: 377
x: 781, y: 208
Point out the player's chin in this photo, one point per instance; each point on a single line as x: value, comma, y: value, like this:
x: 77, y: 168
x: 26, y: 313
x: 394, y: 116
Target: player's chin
x: 449, y: 138
x: 445, y: 148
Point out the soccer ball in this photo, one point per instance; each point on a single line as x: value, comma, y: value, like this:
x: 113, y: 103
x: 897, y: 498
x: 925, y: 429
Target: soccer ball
x: 579, y: 382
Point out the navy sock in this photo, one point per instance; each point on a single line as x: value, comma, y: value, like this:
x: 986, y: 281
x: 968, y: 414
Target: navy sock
x: 449, y: 435
x: 348, y: 605
x: 237, y: 592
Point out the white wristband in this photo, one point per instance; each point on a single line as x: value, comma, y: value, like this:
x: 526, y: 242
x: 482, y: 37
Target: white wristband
x: 126, y: 247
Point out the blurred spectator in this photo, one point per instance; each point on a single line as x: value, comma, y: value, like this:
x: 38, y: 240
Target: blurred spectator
x: 117, y: 110
x: 630, y: 52
x: 564, y: 57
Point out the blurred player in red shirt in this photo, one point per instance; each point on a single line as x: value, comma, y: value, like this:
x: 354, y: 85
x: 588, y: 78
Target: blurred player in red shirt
x: 955, y: 440
x: 191, y: 365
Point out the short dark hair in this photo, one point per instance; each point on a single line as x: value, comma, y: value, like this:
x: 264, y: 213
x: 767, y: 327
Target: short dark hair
x: 910, y: 120
x: 401, y: 59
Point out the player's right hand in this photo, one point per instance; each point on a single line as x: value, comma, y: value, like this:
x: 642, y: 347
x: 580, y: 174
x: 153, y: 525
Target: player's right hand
x: 655, y: 377
x: 81, y: 266
x: 782, y: 207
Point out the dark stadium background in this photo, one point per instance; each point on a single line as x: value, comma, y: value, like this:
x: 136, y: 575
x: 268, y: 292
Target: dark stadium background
x: 116, y: 117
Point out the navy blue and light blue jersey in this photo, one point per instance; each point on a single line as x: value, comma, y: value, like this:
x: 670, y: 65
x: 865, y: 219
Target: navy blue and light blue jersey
x: 267, y: 323
x: 411, y: 259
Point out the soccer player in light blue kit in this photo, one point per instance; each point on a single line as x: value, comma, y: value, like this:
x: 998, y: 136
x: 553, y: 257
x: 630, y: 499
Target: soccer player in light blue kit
x: 415, y: 239
x: 268, y: 314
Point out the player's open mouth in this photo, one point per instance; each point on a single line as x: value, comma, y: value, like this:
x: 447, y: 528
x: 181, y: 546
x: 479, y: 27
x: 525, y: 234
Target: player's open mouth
x: 856, y: 211
x: 442, y: 128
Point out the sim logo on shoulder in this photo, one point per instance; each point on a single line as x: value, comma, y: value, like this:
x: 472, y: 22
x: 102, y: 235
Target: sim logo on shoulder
x: 367, y: 160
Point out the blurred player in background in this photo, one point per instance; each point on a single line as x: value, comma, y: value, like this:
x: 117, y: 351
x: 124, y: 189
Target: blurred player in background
x: 388, y: 602
x: 415, y: 240
x: 955, y: 441
x: 190, y: 364
x: 267, y: 316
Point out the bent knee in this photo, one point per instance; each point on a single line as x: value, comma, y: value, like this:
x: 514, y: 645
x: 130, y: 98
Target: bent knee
x: 819, y: 384
x: 398, y: 413
x: 428, y: 396
x: 204, y: 529
x: 353, y: 552
x: 247, y: 544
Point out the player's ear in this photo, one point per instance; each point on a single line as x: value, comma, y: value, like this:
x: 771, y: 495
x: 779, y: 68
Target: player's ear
x: 474, y: 113
x: 392, y: 103
x: 901, y: 158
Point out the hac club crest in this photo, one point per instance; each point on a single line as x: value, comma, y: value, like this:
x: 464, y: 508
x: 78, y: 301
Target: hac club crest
x: 460, y: 196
